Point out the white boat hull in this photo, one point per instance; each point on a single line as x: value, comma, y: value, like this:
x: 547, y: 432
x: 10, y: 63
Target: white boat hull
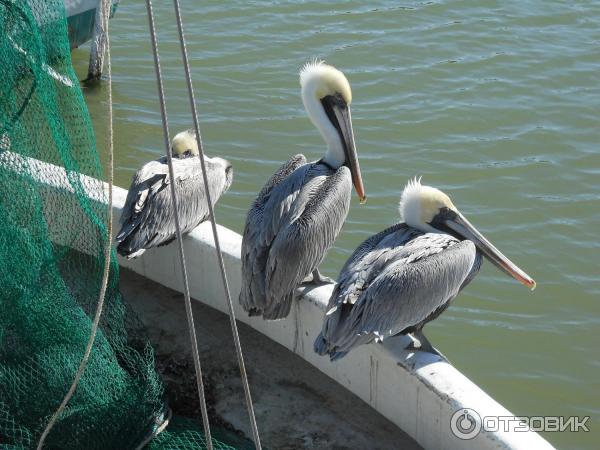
x: 416, y: 391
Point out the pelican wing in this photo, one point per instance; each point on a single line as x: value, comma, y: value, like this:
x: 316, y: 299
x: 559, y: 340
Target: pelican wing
x: 402, y: 279
x: 409, y: 292
x: 255, y: 241
x: 305, y: 234
x: 150, y: 178
x: 148, y: 218
x: 367, y: 261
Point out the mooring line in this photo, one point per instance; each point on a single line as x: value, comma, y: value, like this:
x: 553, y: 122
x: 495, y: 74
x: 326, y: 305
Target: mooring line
x: 188, y: 303
x: 105, y: 5
x: 213, y: 222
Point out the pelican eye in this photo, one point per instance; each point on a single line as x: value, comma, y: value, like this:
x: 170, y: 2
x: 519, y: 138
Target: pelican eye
x: 187, y: 153
x: 329, y: 102
x: 443, y: 214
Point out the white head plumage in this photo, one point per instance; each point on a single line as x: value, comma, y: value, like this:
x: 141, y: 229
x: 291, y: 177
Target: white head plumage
x: 183, y: 142
x: 419, y: 204
x: 318, y: 81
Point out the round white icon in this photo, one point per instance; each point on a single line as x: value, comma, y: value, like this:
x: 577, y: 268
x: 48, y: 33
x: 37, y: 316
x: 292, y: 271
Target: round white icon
x: 465, y: 424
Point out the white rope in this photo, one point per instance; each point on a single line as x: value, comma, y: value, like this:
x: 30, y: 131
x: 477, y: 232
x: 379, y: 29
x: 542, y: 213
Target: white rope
x: 105, y: 5
x: 188, y: 303
x: 234, y: 330
x: 158, y: 430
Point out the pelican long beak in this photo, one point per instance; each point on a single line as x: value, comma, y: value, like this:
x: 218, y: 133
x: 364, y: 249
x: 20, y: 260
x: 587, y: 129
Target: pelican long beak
x: 460, y: 225
x: 344, y: 121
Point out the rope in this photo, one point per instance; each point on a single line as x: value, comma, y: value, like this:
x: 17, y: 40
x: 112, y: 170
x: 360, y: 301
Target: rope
x: 156, y: 432
x: 234, y: 330
x: 188, y: 303
x: 105, y: 5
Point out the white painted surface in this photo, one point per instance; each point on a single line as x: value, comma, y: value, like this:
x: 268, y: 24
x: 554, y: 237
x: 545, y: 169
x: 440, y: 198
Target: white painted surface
x: 416, y: 391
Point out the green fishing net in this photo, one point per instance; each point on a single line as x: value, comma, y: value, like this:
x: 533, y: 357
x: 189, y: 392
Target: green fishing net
x: 52, y: 234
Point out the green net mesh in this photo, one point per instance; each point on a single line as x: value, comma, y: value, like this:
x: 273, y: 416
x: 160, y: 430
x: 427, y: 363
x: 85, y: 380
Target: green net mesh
x: 184, y: 434
x: 52, y: 234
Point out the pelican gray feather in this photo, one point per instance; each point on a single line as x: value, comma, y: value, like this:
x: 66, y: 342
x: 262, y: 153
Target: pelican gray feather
x: 301, y: 209
x: 405, y: 276
x: 394, y: 283
x: 288, y: 232
x: 148, y: 217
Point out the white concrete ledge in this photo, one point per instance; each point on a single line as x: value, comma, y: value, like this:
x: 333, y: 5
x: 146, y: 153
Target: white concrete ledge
x: 416, y: 391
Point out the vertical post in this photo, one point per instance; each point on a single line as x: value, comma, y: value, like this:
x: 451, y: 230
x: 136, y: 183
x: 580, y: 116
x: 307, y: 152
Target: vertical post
x: 98, y: 48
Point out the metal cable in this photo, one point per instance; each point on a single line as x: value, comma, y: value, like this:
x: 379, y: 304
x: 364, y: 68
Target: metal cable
x: 105, y: 5
x: 188, y: 303
x: 234, y: 330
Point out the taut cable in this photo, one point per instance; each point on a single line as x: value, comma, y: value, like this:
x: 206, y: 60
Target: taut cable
x: 188, y: 303
x: 213, y: 222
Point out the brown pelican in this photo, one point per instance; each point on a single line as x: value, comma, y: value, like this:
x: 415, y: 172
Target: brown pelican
x: 407, y: 275
x: 148, y: 219
x: 302, y: 207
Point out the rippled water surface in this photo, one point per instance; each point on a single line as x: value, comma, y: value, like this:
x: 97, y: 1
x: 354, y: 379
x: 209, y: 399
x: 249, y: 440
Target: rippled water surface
x: 497, y: 103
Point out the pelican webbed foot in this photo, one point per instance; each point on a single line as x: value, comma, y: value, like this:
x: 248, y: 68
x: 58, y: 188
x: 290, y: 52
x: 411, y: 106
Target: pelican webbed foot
x: 421, y: 343
x: 317, y: 279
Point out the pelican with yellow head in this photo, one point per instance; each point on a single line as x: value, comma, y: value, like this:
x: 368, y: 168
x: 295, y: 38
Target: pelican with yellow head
x: 148, y: 217
x: 408, y: 274
x: 301, y: 209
